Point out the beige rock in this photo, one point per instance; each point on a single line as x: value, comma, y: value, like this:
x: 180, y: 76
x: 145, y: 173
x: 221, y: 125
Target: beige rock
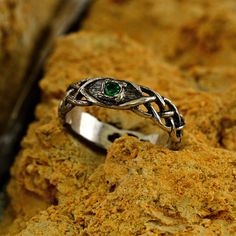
x: 220, y: 82
x: 21, y: 26
x: 137, y: 188
x: 186, y: 32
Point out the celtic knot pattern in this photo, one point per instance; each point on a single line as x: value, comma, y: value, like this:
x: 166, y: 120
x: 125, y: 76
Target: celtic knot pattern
x: 120, y: 94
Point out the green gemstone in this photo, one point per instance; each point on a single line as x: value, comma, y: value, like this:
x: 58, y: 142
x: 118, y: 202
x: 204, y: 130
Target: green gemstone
x: 111, y: 89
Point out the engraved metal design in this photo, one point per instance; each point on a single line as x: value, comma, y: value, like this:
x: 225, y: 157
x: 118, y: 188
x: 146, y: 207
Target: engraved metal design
x: 121, y: 94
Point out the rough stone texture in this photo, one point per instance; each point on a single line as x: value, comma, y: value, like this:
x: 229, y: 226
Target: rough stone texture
x: 21, y: 25
x: 137, y: 188
x: 186, y: 32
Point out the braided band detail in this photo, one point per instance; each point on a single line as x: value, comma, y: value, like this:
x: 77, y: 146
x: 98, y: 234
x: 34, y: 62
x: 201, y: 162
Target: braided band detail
x: 140, y: 99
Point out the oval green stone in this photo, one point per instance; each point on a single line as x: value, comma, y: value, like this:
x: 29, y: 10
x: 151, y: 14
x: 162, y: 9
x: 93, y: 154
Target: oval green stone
x: 111, y: 88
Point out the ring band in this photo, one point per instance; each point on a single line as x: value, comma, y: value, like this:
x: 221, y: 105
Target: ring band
x: 118, y: 94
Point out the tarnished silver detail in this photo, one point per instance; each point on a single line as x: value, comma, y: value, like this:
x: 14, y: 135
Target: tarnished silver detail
x: 131, y: 96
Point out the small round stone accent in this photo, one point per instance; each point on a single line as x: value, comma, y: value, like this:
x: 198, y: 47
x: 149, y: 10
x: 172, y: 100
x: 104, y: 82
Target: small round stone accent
x: 111, y: 88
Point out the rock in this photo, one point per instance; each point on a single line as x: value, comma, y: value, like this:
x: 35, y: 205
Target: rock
x: 136, y: 188
x: 185, y: 32
x: 22, y: 24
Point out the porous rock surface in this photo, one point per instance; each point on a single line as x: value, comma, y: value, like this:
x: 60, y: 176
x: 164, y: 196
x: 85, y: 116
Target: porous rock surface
x: 186, y: 32
x: 22, y: 26
x: 67, y: 187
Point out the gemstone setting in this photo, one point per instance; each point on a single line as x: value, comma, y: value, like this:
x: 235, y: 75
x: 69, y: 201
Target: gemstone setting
x: 112, y: 88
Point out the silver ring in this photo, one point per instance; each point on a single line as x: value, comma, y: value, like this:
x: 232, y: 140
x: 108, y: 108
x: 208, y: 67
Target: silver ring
x: 118, y: 94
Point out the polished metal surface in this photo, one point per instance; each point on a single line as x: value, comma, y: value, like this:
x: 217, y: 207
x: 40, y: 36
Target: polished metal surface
x: 129, y: 96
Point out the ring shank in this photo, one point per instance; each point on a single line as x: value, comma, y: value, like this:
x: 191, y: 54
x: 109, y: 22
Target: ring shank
x: 103, y: 134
